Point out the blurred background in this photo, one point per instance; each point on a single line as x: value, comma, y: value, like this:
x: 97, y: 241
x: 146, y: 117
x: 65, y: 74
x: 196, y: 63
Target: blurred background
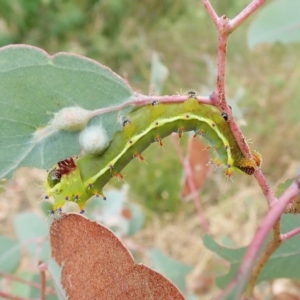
x: 262, y: 87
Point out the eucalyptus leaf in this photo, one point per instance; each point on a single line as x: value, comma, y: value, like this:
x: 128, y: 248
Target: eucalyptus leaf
x: 10, y: 254
x: 33, y: 87
x: 32, y: 231
x: 280, y: 265
x: 278, y: 21
x: 169, y: 267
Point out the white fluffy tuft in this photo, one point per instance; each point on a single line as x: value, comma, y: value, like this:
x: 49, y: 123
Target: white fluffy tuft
x: 94, y: 139
x: 71, y: 119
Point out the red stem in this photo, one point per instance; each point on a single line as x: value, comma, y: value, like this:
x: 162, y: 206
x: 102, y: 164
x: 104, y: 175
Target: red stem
x: 239, y: 283
x: 243, y: 15
x: 30, y: 283
x: 43, y: 268
x: 11, y: 297
x: 225, y: 27
x: 262, y: 181
x: 290, y: 234
x: 141, y: 100
x: 211, y: 12
x: 222, y: 50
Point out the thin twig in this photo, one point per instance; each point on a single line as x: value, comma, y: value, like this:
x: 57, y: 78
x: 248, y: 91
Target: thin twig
x: 269, y: 194
x: 30, y: 283
x: 240, y: 281
x: 211, y: 12
x: 222, y: 50
x: 270, y: 249
x: 290, y: 234
x: 43, y: 268
x: 243, y: 15
x: 11, y: 297
x: 218, y: 97
x: 141, y: 100
x: 225, y: 27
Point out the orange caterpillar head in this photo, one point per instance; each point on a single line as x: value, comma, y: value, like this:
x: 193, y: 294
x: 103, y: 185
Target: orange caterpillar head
x: 249, y: 166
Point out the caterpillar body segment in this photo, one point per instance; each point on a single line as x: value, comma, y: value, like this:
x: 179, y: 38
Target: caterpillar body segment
x: 141, y: 128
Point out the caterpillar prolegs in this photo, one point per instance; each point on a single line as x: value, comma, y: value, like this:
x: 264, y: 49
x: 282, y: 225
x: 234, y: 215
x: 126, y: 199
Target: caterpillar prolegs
x: 78, y: 179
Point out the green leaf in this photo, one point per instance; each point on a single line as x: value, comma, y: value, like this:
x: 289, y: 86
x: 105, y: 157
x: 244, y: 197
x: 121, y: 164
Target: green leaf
x: 26, y: 290
x: 136, y: 222
x: 21, y: 288
x: 174, y: 270
x: 278, y: 21
x: 46, y: 207
x: 34, y: 86
x: 10, y: 254
x: 32, y: 231
x: 281, y: 264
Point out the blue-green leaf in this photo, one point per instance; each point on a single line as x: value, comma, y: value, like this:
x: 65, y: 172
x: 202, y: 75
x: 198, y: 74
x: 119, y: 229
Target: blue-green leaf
x: 10, y: 254
x: 278, y: 21
x: 33, y: 87
x: 280, y: 265
x: 33, y: 232
x: 169, y: 267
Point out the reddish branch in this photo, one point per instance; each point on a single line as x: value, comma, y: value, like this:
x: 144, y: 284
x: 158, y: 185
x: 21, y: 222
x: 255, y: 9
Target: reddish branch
x: 290, y: 234
x: 224, y: 28
x: 30, y: 283
x: 270, y: 249
x: 11, y: 297
x: 240, y: 281
x: 248, y: 11
x: 272, y: 219
x: 141, y: 100
x: 43, y: 268
x: 263, y: 183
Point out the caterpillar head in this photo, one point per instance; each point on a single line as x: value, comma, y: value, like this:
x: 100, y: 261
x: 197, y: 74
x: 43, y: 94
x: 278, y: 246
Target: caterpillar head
x: 249, y: 166
x: 64, y: 183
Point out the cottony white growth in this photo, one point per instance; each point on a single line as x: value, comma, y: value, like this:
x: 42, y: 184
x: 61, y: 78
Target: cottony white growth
x: 94, y: 139
x: 71, y: 119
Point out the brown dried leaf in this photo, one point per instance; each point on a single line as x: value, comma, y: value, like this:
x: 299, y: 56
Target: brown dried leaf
x: 198, y: 159
x: 96, y: 265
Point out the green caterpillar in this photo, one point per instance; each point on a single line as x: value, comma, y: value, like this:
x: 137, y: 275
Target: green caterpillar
x: 78, y: 179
